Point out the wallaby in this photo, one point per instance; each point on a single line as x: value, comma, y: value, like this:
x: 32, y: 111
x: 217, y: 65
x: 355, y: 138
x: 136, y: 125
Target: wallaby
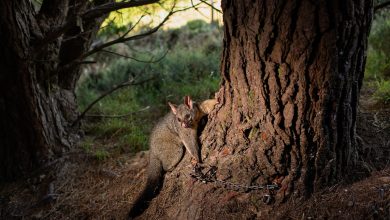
x: 177, y: 129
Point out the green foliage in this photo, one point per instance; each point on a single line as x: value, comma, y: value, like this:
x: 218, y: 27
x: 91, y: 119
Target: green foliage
x: 180, y: 73
x: 377, y: 64
x: 124, y: 17
x: 127, y: 132
x: 377, y: 73
x: 379, y: 35
x: 101, y: 154
x: 191, y: 67
x: 112, y: 28
x: 197, y: 25
x: 382, y: 92
x: 87, y: 144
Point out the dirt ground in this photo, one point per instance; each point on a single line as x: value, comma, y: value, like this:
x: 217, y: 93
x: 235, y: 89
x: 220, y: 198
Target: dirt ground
x: 77, y: 186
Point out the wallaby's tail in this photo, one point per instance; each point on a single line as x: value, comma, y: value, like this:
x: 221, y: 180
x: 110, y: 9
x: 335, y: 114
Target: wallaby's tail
x: 155, y: 176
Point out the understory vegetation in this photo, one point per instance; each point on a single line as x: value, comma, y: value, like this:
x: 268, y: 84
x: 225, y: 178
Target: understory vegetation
x: 165, y: 67
x: 377, y: 74
x: 102, y: 176
x: 170, y: 64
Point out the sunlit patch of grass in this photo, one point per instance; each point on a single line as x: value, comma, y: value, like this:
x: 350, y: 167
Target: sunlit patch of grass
x: 382, y: 93
x: 101, y: 154
x: 87, y: 144
x: 377, y: 64
x: 377, y: 70
x: 185, y: 70
x: 136, y: 139
x: 125, y: 134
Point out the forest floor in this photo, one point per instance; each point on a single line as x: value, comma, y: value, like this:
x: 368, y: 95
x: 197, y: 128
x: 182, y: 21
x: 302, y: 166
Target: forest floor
x: 80, y: 186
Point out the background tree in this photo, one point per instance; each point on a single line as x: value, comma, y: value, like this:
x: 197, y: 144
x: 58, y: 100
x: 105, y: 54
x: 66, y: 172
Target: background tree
x: 292, y: 72
x: 40, y: 64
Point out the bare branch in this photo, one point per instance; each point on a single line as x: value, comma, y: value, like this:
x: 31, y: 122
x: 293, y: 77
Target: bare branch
x: 118, y: 116
x: 135, y: 25
x: 142, y: 61
x: 212, y: 6
x: 87, y: 62
x: 77, y: 35
x: 88, y: 31
x: 196, y: 9
x: 381, y: 6
x: 124, y: 84
x: 123, y: 38
x: 113, y: 6
x: 92, y: 13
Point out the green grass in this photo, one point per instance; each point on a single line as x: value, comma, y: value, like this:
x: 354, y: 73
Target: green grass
x: 191, y: 67
x: 382, y: 93
x: 87, y: 144
x: 185, y: 70
x: 131, y: 133
x: 377, y: 64
x: 101, y: 154
x: 377, y: 72
x: 126, y: 134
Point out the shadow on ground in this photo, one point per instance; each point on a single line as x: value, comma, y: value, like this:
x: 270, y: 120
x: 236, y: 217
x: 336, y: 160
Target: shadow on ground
x: 77, y: 186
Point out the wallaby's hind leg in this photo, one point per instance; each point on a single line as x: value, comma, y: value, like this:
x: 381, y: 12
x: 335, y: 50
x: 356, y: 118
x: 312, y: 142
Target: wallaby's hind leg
x: 170, y: 156
x: 152, y: 187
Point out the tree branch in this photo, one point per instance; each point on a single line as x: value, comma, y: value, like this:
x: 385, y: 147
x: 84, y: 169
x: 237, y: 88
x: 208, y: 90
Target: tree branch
x: 142, y: 61
x: 87, y: 62
x: 123, y: 38
x: 196, y: 9
x: 133, y: 26
x: 212, y: 6
x: 124, y: 84
x: 92, y: 13
x: 118, y: 116
x: 381, y: 6
x: 113, y: 6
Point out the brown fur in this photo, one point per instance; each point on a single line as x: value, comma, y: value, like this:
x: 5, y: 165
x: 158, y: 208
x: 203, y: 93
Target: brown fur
x: 177, y: 129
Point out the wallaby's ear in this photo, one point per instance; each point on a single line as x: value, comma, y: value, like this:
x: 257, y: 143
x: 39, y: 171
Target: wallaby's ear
x: 188, y: 102
x: 173, y: 108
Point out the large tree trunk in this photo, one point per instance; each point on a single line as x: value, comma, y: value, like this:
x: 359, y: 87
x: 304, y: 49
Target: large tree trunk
x: 37, y: 104
x: 292, y: 72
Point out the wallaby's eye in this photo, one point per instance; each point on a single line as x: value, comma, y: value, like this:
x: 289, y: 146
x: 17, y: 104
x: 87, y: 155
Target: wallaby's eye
x: 179, y: 119
x: 187, y: 116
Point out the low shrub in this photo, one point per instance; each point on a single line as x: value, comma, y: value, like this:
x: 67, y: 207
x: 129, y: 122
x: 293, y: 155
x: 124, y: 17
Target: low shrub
x: 382, y: 93
x: 185, y: 70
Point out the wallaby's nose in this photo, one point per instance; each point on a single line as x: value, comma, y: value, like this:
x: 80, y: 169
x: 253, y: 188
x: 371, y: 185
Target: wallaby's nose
x: 185, y: 125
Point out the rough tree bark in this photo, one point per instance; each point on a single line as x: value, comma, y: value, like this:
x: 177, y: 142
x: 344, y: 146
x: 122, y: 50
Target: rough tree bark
x: 291, y: 76
x: 36, y: 108
x: 39, y: 63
